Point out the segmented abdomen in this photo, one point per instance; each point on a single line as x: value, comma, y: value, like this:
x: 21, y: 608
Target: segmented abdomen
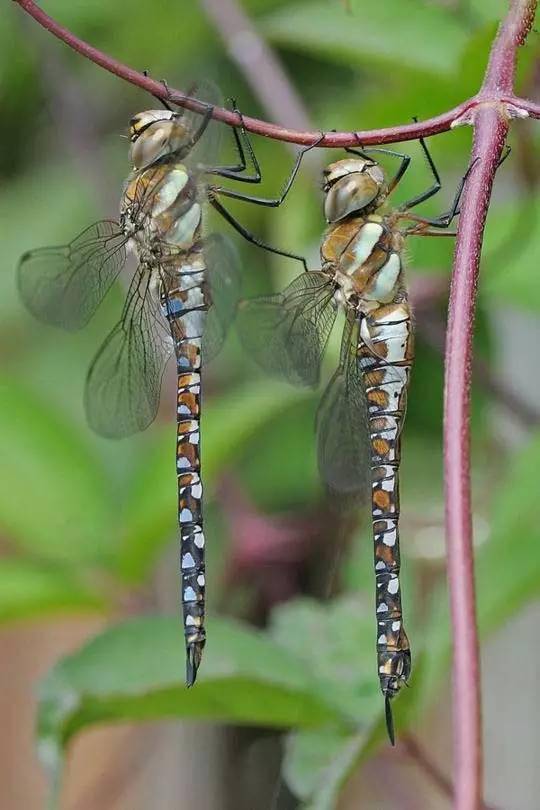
x: 185, y: 307
x: 385, y: 355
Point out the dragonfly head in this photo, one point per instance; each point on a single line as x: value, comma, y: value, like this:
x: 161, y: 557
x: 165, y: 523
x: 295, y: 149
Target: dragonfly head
x: 155, y: 134
x: 352, y: 186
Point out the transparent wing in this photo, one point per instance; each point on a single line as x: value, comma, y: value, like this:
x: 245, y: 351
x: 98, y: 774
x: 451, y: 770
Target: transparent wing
x: 64, y: 285
x: 223, y: 279
x: 206, y: 151
x: 343, y: 444
x: 124, y: 381
x: 287, y: 333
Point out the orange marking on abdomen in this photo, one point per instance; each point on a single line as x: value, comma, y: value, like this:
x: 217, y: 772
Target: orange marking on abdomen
x: 381, y: 498
x: 381, y: 446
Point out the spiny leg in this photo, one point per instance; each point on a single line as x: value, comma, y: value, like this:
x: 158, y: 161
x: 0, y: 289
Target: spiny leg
x: 235, y: 172
x: 274, y: 202
x: 434, y: 188
x: 364, y: 152
x: 251, y: 238
x: 444, y: 220
x: 405, y: 163
x: 158, y: 98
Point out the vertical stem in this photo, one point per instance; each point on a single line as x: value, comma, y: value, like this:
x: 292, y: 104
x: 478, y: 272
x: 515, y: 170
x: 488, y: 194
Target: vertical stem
x: 490, y: 131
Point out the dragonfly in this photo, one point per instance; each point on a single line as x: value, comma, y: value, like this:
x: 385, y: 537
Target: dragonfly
x: 181, y: 300
x: 362, y: 410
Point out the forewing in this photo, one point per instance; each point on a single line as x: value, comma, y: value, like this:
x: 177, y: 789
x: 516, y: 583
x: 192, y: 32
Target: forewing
x: 343, y: 445
x: 287, y: 333
x: 223, y: 279
x: 206, y: 151
x: 64, y: 285
x: 124, y: 381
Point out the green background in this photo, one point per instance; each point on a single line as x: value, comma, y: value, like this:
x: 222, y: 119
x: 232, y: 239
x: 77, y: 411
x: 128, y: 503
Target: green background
x: 87, y: 522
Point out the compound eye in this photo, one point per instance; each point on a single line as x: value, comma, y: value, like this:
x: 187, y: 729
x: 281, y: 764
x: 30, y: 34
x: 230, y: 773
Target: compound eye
x: 350, y: 194
x: 150, y: 145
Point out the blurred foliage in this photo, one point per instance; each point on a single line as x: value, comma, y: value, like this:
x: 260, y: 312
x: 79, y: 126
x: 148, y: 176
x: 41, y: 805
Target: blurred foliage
x: 85, y: 521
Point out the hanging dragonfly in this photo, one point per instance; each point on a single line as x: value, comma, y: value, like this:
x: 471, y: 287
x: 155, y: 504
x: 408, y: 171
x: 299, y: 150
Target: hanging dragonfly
x: 181, y: 299
x: 362, y: 410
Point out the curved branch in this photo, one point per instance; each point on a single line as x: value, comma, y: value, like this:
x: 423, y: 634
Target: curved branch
x: 406, y: 132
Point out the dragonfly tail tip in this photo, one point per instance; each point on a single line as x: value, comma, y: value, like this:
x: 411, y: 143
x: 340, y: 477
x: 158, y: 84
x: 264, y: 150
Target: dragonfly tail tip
x: 389, y: 719
x: 193, y: 660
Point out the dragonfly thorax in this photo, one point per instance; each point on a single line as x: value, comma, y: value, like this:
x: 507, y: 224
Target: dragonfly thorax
x: 155, y: 134
x: 352, y: 186
x: 362, y: 254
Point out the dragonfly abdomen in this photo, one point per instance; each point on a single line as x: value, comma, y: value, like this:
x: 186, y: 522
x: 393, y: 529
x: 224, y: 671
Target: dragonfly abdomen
x: 385, y: 356
x: 185, y: 308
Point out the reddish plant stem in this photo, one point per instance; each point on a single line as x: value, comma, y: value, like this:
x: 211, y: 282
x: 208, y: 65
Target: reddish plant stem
x: 406, y: 132
x: 490, y: 123
x: 431, y: 770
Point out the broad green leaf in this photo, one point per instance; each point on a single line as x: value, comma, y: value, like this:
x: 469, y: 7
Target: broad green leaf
x: 53, y: 492
x: 318, y: 762
x: 228, y: 424
x: 135, y: 672
x: 29, y: 590
x: 335, y: 641
x: 425, y: 38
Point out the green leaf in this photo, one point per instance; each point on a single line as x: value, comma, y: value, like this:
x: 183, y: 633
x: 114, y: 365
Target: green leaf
x: 335, y: 641
x: 228, y: 424
x: 28, y: 591
x: 318, y: 762
x: 425, y: 38
x: 53, y: 492
x: 135, y: 672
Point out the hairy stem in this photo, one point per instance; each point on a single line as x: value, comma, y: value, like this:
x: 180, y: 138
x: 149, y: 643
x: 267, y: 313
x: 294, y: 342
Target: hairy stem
x: 490, y: 121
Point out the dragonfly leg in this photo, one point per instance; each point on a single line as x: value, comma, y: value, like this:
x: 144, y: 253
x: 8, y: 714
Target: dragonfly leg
x: 206, y: 118
x: 365, y: 151
x: 444, y: 220
x: 270, y: 202
x: 435, y: 186
x: 235, y: 172
x: 158, y: 98
x: 420, y: 231
x: 254, y: 240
